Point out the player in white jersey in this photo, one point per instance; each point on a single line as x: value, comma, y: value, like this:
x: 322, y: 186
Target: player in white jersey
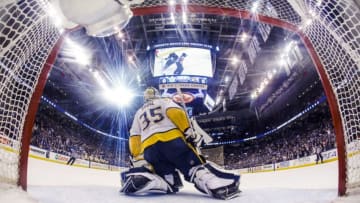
x: 158, y: 135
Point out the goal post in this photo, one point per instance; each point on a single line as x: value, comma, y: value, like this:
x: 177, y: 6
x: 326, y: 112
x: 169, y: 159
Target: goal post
x: 29, y: 42
x: 31, y: 113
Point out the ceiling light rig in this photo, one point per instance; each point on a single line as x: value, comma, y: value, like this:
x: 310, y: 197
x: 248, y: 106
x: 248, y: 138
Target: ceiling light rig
x: 244, y: 37
x: 172, y: 2
x: 264, y: 83
x: 81, y: 55
x: 255, y: 7
x: 184, y: 17
x: 172, y: 18
x: 115, y: 93
x: 234, y: 60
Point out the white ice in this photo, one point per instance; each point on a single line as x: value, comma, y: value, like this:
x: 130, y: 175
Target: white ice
x: 55, y: 183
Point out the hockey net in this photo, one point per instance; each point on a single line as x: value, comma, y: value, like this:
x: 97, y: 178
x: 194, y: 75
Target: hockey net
x: 330, y: 29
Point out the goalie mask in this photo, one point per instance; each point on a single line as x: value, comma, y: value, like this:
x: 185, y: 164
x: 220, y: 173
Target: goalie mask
x: 151, y: 93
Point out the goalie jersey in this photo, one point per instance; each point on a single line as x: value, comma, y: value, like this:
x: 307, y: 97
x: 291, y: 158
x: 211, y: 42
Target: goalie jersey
x: 158, y: 119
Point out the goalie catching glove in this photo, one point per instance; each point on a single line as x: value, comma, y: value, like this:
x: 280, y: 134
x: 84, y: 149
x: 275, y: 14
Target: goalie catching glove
x: 196, y: 135
x: 193, y: 138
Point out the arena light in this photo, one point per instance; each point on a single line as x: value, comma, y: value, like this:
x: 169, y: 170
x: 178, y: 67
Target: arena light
x: 312, y: 13
x: 80, y: 54
x: 227, y: 79
x: 234, y: 60
x: 261, y: 88
x: 305, y: 23
x: 288, y: 47
x: 282, y: 62
x: 255, y: 6
x: 254, y: 95
x: 120, y: 35
x: 172, y: 2
x: 266, y: 81
x: 184, y: 17
x: 100, y: 80
x: 138, y: 78
x: 244, y: 37
x: 172, y: 17
x: 120, y: 96
x: 131, y: 59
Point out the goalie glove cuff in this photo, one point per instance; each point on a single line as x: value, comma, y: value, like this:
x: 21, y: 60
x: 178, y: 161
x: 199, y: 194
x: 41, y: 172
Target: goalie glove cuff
x: 139, y: 161
x: 192, y: 137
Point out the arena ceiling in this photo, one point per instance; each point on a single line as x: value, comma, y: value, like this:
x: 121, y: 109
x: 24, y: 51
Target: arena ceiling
x: 125, y: 57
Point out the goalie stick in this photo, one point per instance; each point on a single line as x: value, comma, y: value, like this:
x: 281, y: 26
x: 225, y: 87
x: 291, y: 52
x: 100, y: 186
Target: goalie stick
x: 194, y: 126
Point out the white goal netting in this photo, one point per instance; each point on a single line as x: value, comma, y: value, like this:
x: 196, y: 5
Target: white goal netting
x: 331, y: 27
x: 26, y: 39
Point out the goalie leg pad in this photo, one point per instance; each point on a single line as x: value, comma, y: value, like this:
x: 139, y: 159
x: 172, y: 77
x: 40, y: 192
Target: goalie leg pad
x: 142, y: 181
x: 213, y: 168
x: 209, y: 183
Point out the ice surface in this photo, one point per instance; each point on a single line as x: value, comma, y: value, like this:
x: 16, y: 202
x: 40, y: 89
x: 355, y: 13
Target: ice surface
x: 55, y: 183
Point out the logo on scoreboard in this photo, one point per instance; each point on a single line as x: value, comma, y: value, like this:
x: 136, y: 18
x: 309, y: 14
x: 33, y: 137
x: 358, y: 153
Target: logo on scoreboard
x: 186, y: 97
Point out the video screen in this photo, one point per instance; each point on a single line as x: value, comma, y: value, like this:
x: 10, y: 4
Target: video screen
x: 182, y: 61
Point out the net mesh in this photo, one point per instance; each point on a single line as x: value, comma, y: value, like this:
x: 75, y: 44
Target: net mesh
x: 27, y: 36
x: 335, y: 34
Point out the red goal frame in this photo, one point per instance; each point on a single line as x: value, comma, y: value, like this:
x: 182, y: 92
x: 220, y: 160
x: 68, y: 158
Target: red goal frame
x: 243, y: 14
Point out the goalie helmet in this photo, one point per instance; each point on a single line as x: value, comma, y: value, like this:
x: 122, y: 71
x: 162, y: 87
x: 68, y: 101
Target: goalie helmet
x: 151, y: 93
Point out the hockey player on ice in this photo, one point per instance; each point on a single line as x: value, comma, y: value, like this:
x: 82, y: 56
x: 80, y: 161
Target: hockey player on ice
x: 161, y: 144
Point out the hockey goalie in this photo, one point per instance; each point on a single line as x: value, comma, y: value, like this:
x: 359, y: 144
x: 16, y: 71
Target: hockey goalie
x: 162, y: 143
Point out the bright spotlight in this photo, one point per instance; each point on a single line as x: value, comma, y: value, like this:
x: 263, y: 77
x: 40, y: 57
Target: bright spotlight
x: 131, y: 59
x: 255, y: 7
x: 234, y: 60
x: 244, y: 37
x: 172, y: 2
x: 184, y: 18
x: 121, y: 96
x: 120, y: 35
x: 282, y: 62
x: 172, y: 17
x: 81, y: 55
x: 100, y: 80
x: 253, y: 95
x: 288, y: 47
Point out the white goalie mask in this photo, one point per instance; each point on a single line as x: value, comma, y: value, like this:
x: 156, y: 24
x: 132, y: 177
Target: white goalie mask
x: 151, y: 93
